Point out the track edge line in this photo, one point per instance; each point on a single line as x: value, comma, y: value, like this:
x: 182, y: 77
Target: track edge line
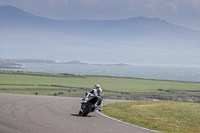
x: 125, y: 122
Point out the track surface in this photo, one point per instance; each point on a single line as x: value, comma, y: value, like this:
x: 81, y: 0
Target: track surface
x: 46, y: 114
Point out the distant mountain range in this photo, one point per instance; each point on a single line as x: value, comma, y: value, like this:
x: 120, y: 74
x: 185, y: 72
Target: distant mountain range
x: 16, y: 63
x: 137, y: 40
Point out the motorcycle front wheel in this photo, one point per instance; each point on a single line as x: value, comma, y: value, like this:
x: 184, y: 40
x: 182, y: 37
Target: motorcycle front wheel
x: 87, y: 110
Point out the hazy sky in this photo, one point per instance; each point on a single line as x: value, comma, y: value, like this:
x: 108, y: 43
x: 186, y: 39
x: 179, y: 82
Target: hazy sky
x: 180, y: 12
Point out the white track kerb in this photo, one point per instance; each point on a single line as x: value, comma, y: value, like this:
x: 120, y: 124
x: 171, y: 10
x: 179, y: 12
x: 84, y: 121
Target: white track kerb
x: 126, y: 122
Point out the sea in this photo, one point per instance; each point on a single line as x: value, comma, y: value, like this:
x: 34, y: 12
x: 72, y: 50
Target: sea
x: 159, y: 72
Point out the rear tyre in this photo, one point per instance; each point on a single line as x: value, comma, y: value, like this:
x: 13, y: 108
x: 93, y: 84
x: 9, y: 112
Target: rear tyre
x: 86, y: 111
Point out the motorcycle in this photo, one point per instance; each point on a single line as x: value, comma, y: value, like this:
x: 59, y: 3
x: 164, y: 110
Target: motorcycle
x: 89, y: 104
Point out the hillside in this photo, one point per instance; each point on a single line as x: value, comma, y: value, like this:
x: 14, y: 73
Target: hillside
x: 134, y: 40
x: 8, y: 64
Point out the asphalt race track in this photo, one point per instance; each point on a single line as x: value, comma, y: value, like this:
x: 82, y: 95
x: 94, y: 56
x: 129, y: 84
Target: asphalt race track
x: 51, y: 114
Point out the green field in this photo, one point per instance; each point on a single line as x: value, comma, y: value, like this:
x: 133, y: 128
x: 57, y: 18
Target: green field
x: 164, y: 116
x: 114, y: 87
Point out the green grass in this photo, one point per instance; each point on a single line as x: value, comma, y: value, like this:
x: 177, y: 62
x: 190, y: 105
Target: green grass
x: 168, y: 117
x: 46, y: 92
x: 107, y: 83
x: 114, y: 87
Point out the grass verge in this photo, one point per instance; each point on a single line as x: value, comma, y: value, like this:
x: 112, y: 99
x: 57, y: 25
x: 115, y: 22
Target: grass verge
x: 164, y: 116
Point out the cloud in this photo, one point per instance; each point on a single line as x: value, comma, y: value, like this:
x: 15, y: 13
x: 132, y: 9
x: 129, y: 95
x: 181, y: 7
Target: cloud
x: 89, y: 2
x: 35, y: 4
x: 55, y: 3
x: 194, y: 3
x: 153, y: 5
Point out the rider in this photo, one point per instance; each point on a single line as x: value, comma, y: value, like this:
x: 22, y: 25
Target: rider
x: 97, y: 91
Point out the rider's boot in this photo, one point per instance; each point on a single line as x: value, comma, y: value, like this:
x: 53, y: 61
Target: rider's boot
x: 99, y: 107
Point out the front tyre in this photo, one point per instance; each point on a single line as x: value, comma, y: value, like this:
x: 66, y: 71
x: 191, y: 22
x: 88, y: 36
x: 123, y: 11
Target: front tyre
x: 86, y: 111
x: 80, y: 112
